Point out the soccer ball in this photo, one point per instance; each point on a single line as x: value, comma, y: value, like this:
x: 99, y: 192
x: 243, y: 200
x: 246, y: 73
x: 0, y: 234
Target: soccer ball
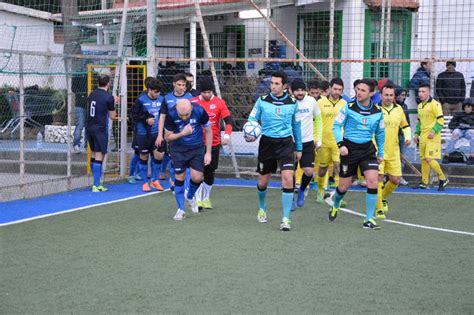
x: 252, y: 129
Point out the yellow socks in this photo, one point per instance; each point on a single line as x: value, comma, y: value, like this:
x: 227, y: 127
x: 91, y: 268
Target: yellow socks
x: 388, y: 189
x: 321, y: 184
x: 435, y: 166
x: 379, y: 204
x: 336, y: 180
x: 425, y: 172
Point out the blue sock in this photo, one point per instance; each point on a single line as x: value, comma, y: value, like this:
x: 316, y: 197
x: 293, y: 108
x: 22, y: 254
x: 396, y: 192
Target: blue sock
x: 91, y: 162
x: 133, y: 164
x: 338, y: 198
x: 262, y: 194
x: 179, y: 194
x: 192, y: 189
x: 155, y: 169
x: 164, y: 164
x: 287, y: 201
x: 370, y: 201
x: 172, y: 171
x: 144, y: 170
x: 97, y: 172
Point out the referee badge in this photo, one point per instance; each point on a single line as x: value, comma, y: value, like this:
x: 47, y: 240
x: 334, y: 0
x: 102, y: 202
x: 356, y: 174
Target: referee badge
x: 278, y: 110
x: 344, y: 168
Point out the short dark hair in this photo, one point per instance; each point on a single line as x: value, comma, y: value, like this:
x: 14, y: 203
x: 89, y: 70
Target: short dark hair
x: 154, y: 84
x: 389, y: 85
x: 179, y: 77
x: 103, y: 80
x: 337, y: 81
x: 371, y: 83
x: 314, y: 84
x: 147, y: 81
x: 423, y: 85
x: 355, y: 83
x: 282, y: 75
x: 325, y: 85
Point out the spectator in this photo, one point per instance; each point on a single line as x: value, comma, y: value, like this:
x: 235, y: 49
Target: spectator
x: 79, y: 88
x: 451, y: 89
x: 190, y: 85
x: 400, y: 97
x: 462, y: 125
x: 290, y: 71
x: 421, y: 76
x: 263, y: 84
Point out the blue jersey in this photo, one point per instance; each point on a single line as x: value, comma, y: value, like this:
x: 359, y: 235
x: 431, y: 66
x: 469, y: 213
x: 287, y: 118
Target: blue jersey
x: 198, y: 119
x: 144, y: 108
x: 170, y: 100
x: 277, y: 116
x: 360, y: 124
x: 100, y: 102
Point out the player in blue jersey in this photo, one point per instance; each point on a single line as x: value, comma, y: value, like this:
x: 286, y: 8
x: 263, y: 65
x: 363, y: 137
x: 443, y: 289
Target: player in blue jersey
x: 169, y: 101
x: 281, y: 133
x: 101, y: 107
x: 361, y: 120
x: 183, y: 130
x: 145, y: 115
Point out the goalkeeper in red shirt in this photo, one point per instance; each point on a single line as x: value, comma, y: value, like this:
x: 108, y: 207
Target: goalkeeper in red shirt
x: 217, y: 110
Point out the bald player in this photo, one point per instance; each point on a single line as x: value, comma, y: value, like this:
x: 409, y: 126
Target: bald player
x: 183, y: 130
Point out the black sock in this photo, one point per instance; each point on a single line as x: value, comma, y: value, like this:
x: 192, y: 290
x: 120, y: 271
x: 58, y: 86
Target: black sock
x: 305, y: 180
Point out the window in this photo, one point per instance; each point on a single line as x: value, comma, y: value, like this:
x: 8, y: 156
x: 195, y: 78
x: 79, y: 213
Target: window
x: 399, y: 46
x: 315, y: 40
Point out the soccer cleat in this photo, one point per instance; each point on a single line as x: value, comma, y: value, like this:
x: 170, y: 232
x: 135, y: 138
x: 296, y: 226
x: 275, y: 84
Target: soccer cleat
x: 443, y: 184
x: 332, y: 215
x: 207, y: 204
x: 285, y: 225
x: 193, y: 205
x: 262, y: 216
x: 131, y: 179
x: 146, y: 187
x: 99, y: 188
x: 371, y: 225
x: 77, y: 149
x: 422, y: 186
x: 385, y: 205
x: 380, y: 214
x: 403, y: 181
x: 199, y: 204
x: 306, y: 192
x: 320, y: 198
x: 180, y: 215
x: 300, y: 200
x: 156, y: 184
x: 138, y: 177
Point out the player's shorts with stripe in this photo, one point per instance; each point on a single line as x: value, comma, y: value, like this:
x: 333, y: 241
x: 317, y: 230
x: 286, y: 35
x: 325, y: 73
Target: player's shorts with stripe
x: 98, y: 140
x: 307, y: 158
x: 326, y: 155
x: 430, y: 149
x: 274, y: 153
x: 146, y: 144
x: 212, y: 167
x: 360, y: 155
x: 184, y: 157
x: 391, y: 167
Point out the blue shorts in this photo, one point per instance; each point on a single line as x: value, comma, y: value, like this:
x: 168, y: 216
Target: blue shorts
x: 183, y: 158
x: 98, y: 141
x: 146, y: 144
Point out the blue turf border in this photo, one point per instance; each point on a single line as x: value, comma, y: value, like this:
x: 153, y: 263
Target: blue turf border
x: 13, y: 211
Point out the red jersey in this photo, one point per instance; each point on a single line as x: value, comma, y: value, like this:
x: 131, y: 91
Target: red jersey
x: 217, y: 110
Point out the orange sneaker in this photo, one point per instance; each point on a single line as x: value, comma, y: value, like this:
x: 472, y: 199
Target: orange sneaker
x: 146, y: 187
x: 156, y: 184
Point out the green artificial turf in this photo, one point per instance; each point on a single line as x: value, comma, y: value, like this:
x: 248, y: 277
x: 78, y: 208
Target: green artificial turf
x: 132, y: 257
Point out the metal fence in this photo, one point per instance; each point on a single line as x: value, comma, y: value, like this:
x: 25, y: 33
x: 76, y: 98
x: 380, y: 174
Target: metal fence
x: 44, y: 82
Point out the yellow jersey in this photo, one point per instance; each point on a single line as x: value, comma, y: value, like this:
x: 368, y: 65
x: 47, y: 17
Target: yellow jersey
x: 329, y: 111
x: 394, y: 119
x: 429, y: 114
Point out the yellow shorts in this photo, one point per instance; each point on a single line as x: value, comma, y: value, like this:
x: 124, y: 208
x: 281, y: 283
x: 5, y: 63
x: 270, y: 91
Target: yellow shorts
x: 326, y: 155
x: 391, y: 167
x: 430, y: 150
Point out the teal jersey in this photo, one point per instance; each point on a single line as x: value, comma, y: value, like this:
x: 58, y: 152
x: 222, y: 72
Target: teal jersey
x: 278, y: 117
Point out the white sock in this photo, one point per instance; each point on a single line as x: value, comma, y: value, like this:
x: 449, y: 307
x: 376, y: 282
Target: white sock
x: 199, y: 192
x: 206, y: 191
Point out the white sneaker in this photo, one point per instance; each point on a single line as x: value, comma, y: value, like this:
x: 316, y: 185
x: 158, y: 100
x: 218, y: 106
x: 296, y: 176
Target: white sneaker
x: 403, y: 182
x: 193, y: 205
x: 180, y: 215
x: 77, y: 149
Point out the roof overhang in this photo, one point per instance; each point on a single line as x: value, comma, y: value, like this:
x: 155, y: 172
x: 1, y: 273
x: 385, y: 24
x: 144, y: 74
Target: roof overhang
x: 20, y: 10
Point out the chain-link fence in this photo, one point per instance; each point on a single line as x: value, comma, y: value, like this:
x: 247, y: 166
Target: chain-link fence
x: 50, y: 55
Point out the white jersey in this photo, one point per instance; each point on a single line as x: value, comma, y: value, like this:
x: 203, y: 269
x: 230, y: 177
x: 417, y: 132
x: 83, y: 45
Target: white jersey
x: 308, y: 109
